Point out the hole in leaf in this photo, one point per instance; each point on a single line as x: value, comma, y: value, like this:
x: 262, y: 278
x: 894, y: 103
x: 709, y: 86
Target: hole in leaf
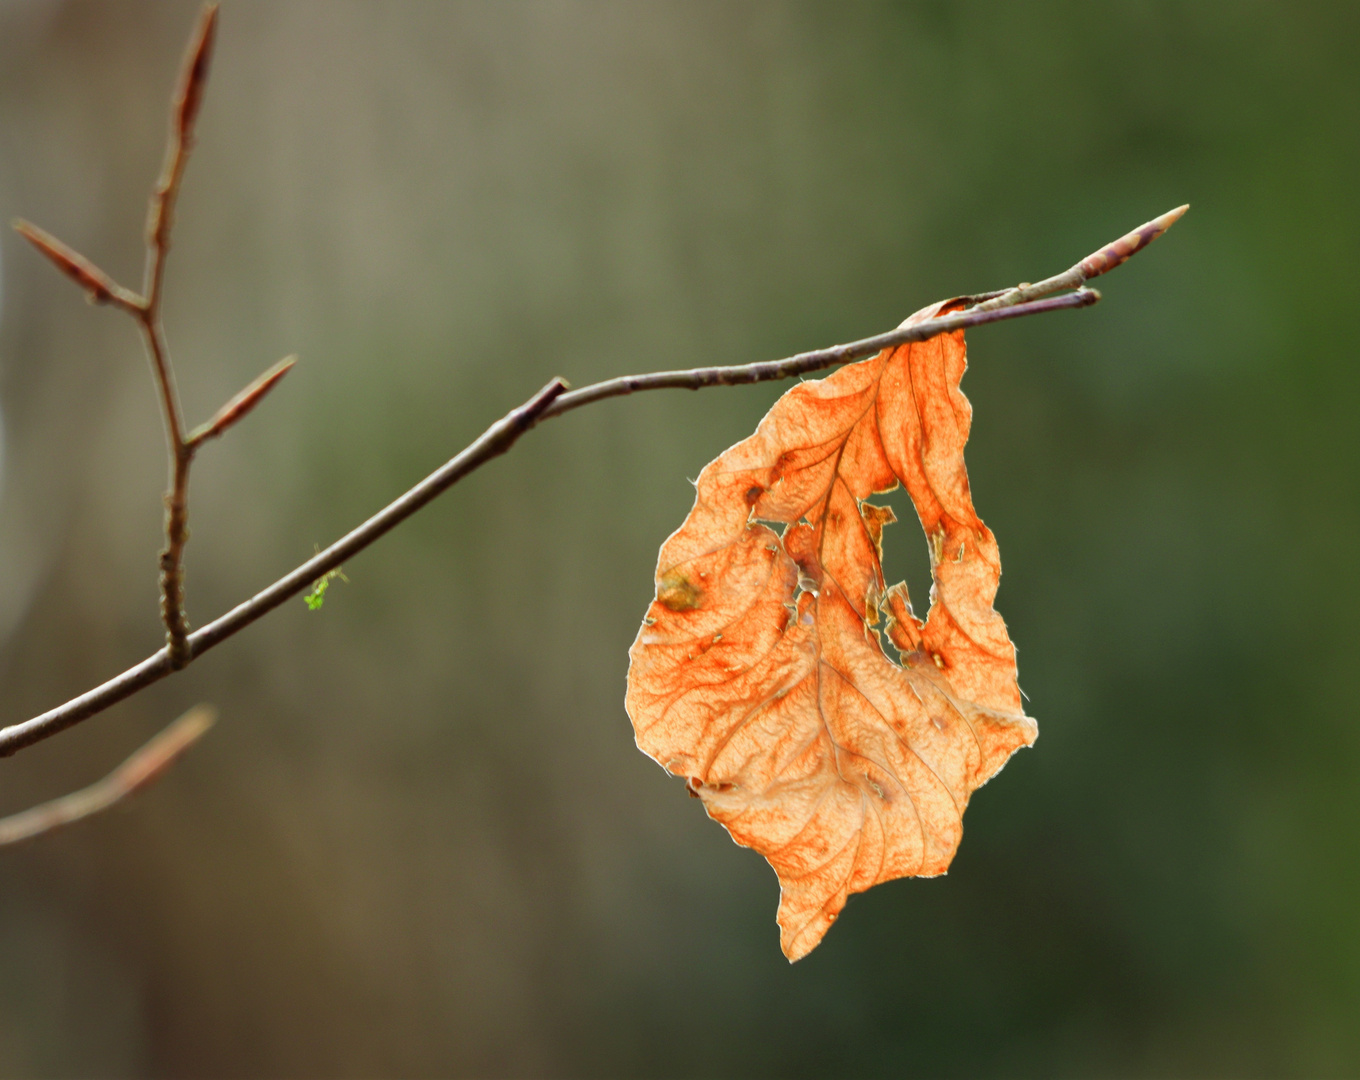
x: 906, y: 556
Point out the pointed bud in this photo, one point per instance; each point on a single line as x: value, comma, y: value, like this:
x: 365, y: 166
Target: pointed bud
x: 1108, y: 258
x: 243, y: 402
x: 99, y: 287
x: 194, y: 75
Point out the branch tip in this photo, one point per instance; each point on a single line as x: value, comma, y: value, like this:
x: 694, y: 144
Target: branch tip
x: 165, y: 748
x: 242, y: 403
x: 138, y: 771
x: 99, y: 287
x: 1110, y: 256
x: 540, y: 402
x: 187, y: 100
x: 194, y: 75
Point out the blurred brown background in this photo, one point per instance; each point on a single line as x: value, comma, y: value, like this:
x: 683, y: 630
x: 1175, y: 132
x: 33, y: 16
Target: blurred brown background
x: 421, y: 842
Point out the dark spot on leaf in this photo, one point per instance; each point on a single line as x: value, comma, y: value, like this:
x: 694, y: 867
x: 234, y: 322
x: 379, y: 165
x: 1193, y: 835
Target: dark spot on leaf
x: 678, y: 593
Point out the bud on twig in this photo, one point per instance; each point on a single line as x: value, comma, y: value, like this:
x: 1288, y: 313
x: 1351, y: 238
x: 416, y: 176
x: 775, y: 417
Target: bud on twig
x: 1107, y: 258
x: 184, y: 108
x: 193, y: 79
x: 1095, y: 264
x: 98, y: 286
x: 242, y: 403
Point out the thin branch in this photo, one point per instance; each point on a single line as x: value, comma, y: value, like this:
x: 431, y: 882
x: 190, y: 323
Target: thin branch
x: 160, y: 220
x: 1098, y: 262
x: 135, y: 773
x: 176, y: 501
x: 101, y: 288
x: 183, y: 115
x: 989, y: 307
x: 817, y: 360
x: 496, y: 440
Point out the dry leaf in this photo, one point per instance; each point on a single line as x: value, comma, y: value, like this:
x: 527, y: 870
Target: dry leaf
x: 760, y: 676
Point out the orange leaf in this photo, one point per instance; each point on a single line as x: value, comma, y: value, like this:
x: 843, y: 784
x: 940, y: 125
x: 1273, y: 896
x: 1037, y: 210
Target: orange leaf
x: 760, y: 676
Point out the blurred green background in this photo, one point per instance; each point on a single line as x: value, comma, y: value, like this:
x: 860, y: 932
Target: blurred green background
x: 421, y: 842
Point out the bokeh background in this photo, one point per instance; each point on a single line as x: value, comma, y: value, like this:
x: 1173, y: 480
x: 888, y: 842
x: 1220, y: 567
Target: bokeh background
x: 420, y: 842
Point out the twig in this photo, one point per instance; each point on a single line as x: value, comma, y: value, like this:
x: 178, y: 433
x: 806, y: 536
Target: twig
x: 991, y: 307
x: 135, y: 773
x: 496, y: 440
x: 183, y: 115
x: 818, y: 359
x: 146, y: 310
x: 1095, y: 264
x: 160, y: 220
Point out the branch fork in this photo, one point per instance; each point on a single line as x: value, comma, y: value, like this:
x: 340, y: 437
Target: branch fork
x: 145, y: 309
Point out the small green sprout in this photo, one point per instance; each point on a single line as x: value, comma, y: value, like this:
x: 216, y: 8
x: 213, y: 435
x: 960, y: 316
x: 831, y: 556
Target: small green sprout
x: 317, y: 596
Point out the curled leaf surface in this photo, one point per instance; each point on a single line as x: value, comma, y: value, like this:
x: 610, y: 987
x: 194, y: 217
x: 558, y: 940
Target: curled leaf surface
x: 760, y: 673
